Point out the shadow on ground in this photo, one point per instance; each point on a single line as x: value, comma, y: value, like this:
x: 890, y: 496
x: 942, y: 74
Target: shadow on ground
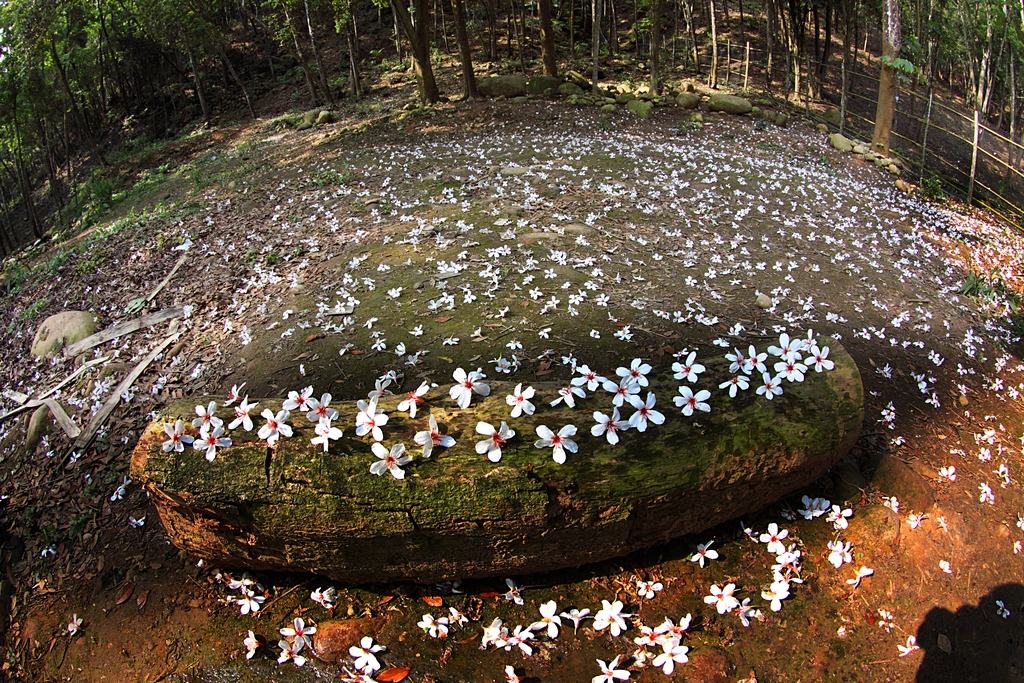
x: 977, y: 643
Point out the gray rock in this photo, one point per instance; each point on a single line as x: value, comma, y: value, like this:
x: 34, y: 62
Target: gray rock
x: 781, y: 119
x: 822, y: 127
x: 539, y: 85
x: 62, y: 329
x: 513, y: 171
x: 625, y: 97
x: 840, y: 142
x: 522, y: 99
x: 608, y: 108
x: 324, y: 117
x: 570, y: 89
x: 903, y: 186
x: 730, y: 104
x: 579, y: 229
x: 502, y: 86
x: 893, y: 169
x: 532, y: 237
x: 640, y: 108
x: 763, y: 301
x: 38, y: 426
x: 860, y: 149
x: 833, y: 116
x: 688, y: 100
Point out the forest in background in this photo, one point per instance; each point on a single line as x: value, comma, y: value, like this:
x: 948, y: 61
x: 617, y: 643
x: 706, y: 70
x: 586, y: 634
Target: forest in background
x: 81, y: 81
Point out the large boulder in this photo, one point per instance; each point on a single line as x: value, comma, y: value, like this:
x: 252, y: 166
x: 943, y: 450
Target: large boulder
x: 833, y: 116
x: 641, y: 108
x: 502, y: 86
x: 539, y: 85
x: 688, y: 100
x: 459, y: 515
x: 840, y: 142
x: 570, y: 89
x: 62, y: 329
x: 730, y: 104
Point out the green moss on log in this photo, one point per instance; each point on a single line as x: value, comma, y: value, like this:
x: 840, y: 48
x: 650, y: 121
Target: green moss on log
x: 457, y: 515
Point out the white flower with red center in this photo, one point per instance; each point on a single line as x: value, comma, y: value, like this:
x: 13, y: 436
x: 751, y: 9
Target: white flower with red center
x: 612, y: 617
x: 364, y: 655
x: 369, y: 420
x: 251, y: 643
x: 243, y: 415
x: 671, y: 654
x: 177, y: 439
x: 588, y: 377
x: 276, y: 426
x: 290, y: 651
x: 414, y: 399
x: 210, y: 440
x: 774, y: 537
x: 790, y: 370
x: 390, y: 461
x: 771, y: 388
x: 626, y: 387
x: 610, y: 672
x: 325, y: 433
x: 432, y: 438
x: 689, y: 401
x: 756, y: 360
x: 518, y: 639
x: 494, y: 441
x: 299, y: 631
x: 647, y: 589
x: 559, y: 443
x: 645, y: 412
x: 207, y: 417
x: 776, y: 593
x: 668, y: 630
x: 435, y: 628
x: 468, y: 384
x: 839, y: 554
x: 688, y: 370
x: 723, y: 598
x: 298, y: 400
x: 609, y: 426
x: 787, y: 348
x: 738, y: 362
x: 322, y: 411
x: 235, y: 394
x: 819, y: 358
x: 704, y: 552
x: 568, y: 395
x: 637, y: 372
x: 519, y: 399
x: 734, y: 384
x: 549, y: 621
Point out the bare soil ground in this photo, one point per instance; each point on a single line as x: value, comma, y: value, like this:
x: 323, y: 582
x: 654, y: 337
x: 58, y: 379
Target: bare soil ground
x: 674, y: 231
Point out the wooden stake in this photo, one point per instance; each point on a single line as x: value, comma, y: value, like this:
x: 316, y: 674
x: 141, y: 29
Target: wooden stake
x: 746, y: 66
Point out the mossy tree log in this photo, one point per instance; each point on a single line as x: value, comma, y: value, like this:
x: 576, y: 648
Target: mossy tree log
x: 457, y: 515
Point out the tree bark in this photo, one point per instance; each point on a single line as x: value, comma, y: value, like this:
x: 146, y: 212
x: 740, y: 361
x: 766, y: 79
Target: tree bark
x: 465, y: 54
x: 199, y: 85
x: 458, y: 515
x: 419, y: 41
x: 547, y: 38
x: 320, y: 71
x: 657, y: 8
x: 886, y: 106
x: 238, y: 81
x: 595, y: 39
x: 713, y: 76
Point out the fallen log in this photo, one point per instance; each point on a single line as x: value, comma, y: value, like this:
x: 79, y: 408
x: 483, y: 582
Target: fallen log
x: 458, y: 515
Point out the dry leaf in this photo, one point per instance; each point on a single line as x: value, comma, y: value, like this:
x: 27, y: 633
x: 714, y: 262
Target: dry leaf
x: 944, y: 644
x: 314, y: 337
x: 394, y: 674
x: 141, y: 600
x: 385, y: 599
x: 490, y: 594
x: 442, y: 320
x: 433, y: 600
x: 123, y: 593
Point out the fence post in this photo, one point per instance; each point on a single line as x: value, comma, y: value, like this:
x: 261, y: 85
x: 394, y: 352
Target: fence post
x: 842, y: 102
x: 974, y: 160
x: 924, y: 138
x: 746, y: 67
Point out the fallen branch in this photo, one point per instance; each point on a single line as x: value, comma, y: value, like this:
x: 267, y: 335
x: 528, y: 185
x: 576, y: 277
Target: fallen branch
x: 86, y: 437
x: 35, y: 403
x: 123, y: 328
x: 62, y: 418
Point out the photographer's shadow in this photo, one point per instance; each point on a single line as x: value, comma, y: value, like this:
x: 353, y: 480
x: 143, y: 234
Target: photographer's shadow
x: 983, y: 643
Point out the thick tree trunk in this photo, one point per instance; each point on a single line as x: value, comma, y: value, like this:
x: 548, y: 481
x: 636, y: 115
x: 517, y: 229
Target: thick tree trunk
x: 458, y: 515
x: 465, y: 54
x: 547, y: 39
x: 891, y: 45
x: 419, y: 41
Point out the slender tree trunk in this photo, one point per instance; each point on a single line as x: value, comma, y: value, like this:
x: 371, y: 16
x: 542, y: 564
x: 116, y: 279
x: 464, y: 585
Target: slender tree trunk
x: 492, y: 30
x: 320, y: 71
x: 419, y: 41
x: 465, y: 55
x: 691, y: 30
x: 657, y: 7
x: 713, y: 76
x: 891, y: 43
x: 238, y: 81
x: 595, y: 39
x: 547, y: 39
x: 613, y: 29
x: 301, y: 58
x: 75, y: 110
x: 200, y: 93
x: 352, y: 39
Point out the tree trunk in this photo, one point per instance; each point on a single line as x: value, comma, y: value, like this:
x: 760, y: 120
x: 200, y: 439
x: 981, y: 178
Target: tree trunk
x: 458, y: 515
x: 465, y: 55
x: 547, y: 39
x: 300, y: 58
x: 352, y: 39
x: 320, y: 71
x: 595, y: 39
x: 238, y: 81
x: 657, y: 7
x: 891, y: 44
x: 713, y: 76
x: 199, y: 85
x: 419, y: 42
